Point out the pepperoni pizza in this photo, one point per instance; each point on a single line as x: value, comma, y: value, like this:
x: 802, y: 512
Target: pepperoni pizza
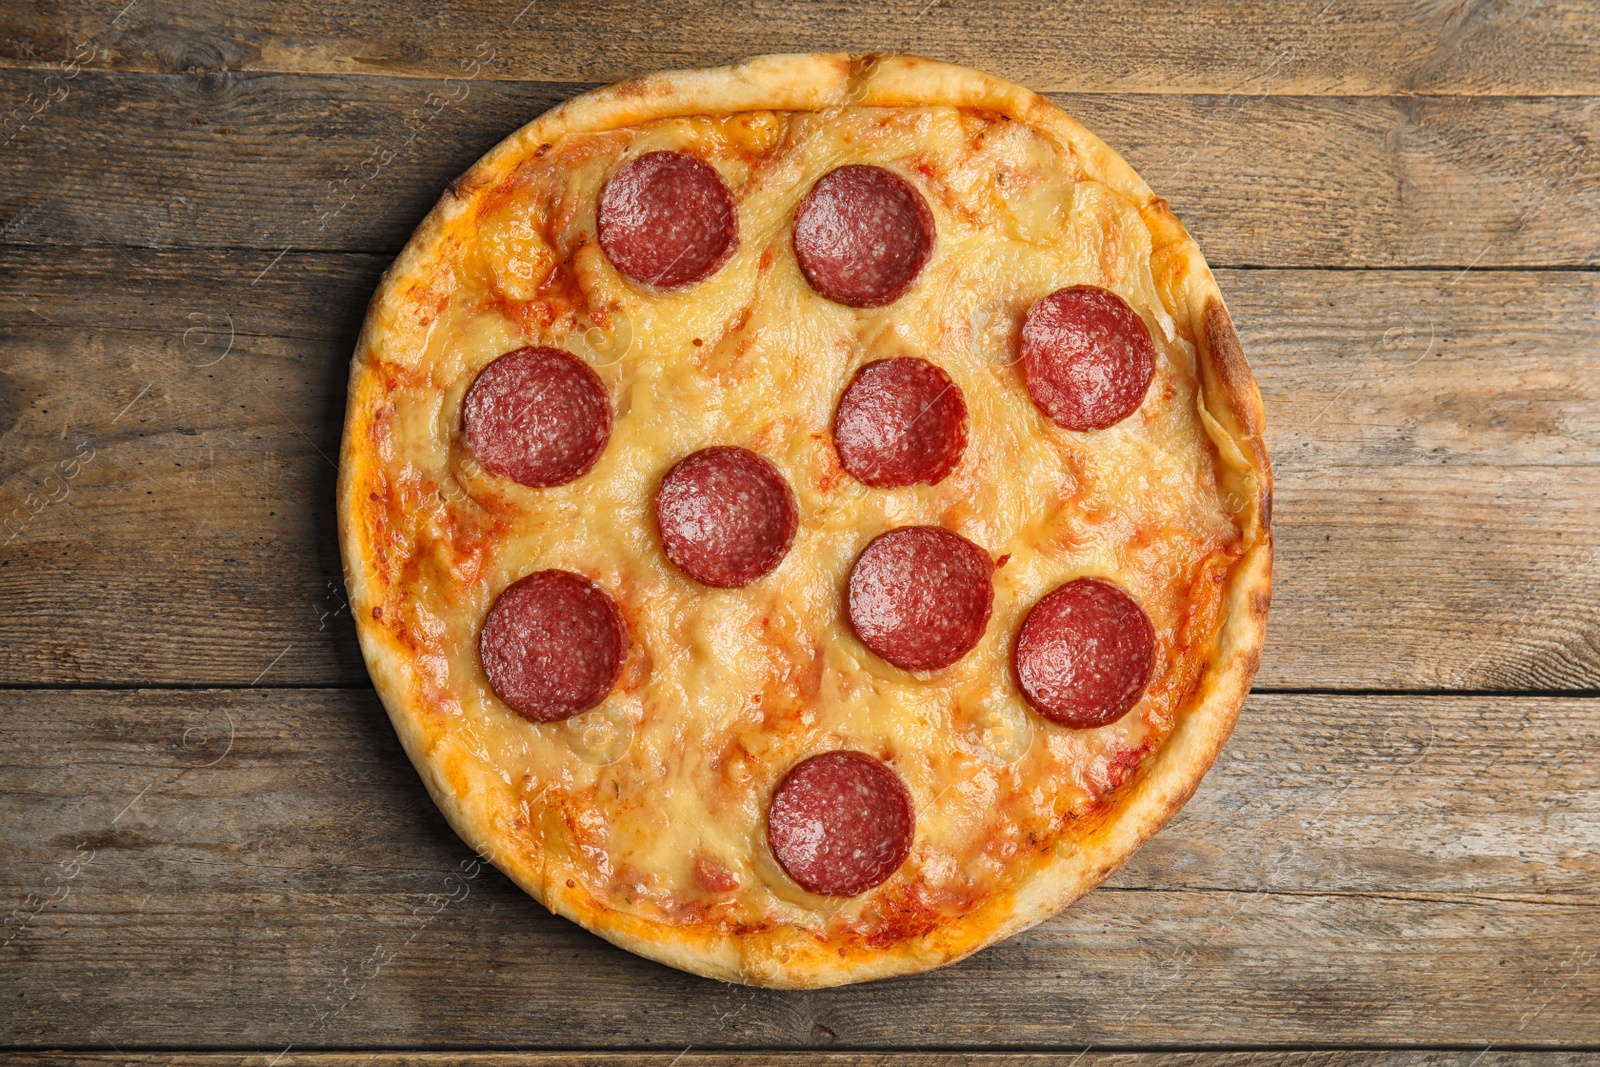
x: 806, y: 520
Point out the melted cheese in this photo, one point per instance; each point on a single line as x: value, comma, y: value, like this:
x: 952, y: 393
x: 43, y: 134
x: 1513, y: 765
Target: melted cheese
x: 725, y: 690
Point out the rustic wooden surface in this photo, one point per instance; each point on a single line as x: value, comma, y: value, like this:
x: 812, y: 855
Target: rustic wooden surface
x: 209, y: 839
x: 259, y: 867
x: 691, y: 1058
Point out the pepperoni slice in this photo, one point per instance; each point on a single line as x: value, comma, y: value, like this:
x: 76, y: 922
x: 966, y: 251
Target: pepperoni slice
x: 726, y: 516
x: 1085, y: 654
x: 539, y: 416
x: 862, y: 235
x: 552, y: 645
x: 841, y: 823
x: 1087, y: 356
x: 901, y: 421
x: 920, y: 596
x: 667, y: 220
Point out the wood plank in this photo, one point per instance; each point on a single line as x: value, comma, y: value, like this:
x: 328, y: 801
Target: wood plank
x: 261, y: 868
x: 269, y: 161
x: 221, y: 473
x: 1434, y: 795
x: 1302, y: 46
x: 1069, y: 1058
x: 1436, y: 438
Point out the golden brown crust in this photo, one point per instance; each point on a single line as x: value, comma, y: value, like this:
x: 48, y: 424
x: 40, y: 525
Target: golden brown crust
x: 1236, y: 401
x: 1230, y: 410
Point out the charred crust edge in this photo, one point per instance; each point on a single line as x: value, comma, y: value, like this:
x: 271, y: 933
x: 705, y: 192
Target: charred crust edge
x: 1226, y: 357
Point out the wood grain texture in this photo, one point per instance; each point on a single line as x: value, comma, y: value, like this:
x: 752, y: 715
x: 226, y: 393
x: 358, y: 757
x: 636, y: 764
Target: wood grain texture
x: 1300, y: 46
x: 690, y: 1058
x: 1435, y: 436
x: 269, y: 161
x: 258, y: 868
x: 196, y: 202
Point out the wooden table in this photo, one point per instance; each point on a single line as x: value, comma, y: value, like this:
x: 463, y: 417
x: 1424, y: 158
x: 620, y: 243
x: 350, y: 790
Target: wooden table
x: 213, y: 848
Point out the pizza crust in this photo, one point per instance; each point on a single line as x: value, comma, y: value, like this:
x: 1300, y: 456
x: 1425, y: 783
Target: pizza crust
x: 1231, y: 411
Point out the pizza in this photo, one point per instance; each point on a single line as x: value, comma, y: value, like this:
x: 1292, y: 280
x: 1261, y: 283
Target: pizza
x: 806, y: 520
